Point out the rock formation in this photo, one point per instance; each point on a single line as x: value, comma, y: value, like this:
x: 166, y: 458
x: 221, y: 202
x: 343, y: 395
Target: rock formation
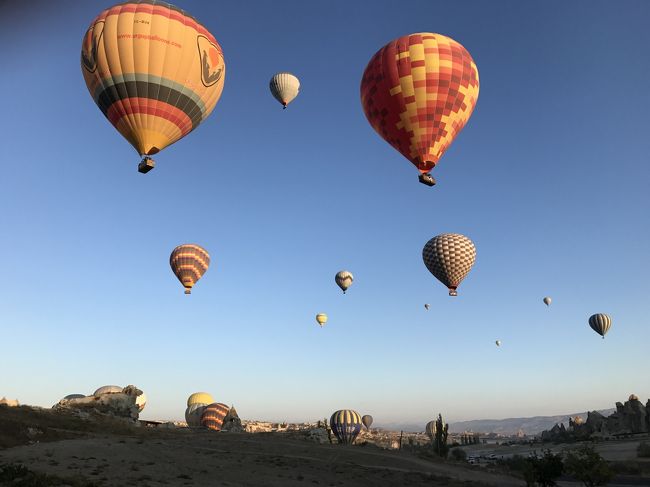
x: 231, y: 422
x: 9, y: 402
x: 119, y: 404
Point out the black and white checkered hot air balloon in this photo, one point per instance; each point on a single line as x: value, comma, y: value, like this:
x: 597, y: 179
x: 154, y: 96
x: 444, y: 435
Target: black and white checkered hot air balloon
x: 449, y: 257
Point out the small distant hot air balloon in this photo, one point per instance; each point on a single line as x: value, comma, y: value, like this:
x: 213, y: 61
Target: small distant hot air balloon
x: 633, y: 397
x: 346, y: 425
x: 154, y: 71
x: 199, y: 398
x: 367, y: 421
x: 418, y: 92
x: 189, y: 262
x: 321, y: 318
x: 284, y: 87
x: 547, y: 301
x: 213, y: 416
x: 430, y: 429
x: 344, y: 280
x: 600, y: 323
x: 426, y: 306
x: 449, y: 257
x: 498, y: 342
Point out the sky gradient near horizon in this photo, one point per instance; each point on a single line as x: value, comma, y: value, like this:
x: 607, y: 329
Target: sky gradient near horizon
x: 549, y: 179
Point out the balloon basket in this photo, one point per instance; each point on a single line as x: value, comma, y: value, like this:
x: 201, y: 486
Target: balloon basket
x: 146, y: 165
x: 427, y: 179
x: 453, y: 292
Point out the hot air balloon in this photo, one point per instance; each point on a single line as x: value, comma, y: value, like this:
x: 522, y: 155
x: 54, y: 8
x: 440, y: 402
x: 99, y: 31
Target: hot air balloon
x: 427, y: 306
x: 284, y: 87
x: 430, y: 429
x: 193, y: 414
x: 154, y: 71
x: 547, y: 301
x: 600, y: 323
x: 367, y: 421
x: 449, y: 257
x: 141, y: 401
x: 344, y: 280
x: 108, y: 390
x: 199, y: 398
x: 498, y: 342
x: 189, y: 262
x: 213, y: 416
x: 74, y: 396
x: 418, y: 92
x: 346, y: 425
x: 321, y: 318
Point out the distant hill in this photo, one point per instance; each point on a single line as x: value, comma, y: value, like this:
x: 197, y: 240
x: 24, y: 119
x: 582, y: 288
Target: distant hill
x: 510, y: 426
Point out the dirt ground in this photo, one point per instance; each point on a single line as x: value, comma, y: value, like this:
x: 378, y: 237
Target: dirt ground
x: 186, y: 458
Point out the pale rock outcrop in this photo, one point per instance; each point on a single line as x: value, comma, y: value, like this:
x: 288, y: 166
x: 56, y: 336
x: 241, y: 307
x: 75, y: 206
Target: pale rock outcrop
x: 9, y: 402
x: 119, y: 404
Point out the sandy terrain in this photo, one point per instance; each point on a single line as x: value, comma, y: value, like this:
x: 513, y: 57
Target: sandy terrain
x: 185, y: 458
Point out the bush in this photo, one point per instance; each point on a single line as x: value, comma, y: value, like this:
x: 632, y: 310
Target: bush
x: 458, y: 454
x: 543, y: 470
x: 585, y: 464
x: 643, y: 450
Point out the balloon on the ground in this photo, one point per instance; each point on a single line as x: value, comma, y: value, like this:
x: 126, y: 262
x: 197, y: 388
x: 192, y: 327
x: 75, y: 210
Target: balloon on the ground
x: 344, y: 280
x: 141, y: 401
x: 213, y: 416
x: 193, y: 414
x: 199, y: 397
x: 367, y: 421
x: 418, y: 92
x: 449, y: 257
x: 430, y: 429
x: 600, y: 323
x: 547, y: 301
x: 154, y: 71
x: 74, y: 396
x: 321, y: 318
x: 284, y: 87
x: 108, y: 390
x: 189, y: 262
x: 346, y: 425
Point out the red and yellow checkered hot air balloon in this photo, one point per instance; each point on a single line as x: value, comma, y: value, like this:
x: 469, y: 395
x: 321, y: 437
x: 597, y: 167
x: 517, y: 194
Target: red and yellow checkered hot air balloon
x: 154, y: 71
x: 418, y: 92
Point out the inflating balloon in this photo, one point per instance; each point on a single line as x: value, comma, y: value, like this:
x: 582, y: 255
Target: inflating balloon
x: 199, y: 398
x: 284, y: 87
x: 154, y: 71
x: 449, y: 257
x: 418, y: 92
x: 189, y: 262
x: 346, y: 425
x: 430, y: 429
x: 213, y: 415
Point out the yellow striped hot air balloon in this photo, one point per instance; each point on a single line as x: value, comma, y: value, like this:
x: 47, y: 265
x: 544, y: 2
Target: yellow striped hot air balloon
x: 199, y: 398
x: 189, y: 262
x: 154, y: 71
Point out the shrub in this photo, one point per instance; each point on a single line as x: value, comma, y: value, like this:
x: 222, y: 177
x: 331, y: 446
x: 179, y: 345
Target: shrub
x: 543, y: 470
x: 458, y: 454
x: 585, y: 464
x: 643, y: 450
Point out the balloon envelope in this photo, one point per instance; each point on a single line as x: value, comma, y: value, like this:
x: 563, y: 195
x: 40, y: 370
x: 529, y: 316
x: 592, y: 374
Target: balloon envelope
x: 367, y: 421
x: 547, y: 301
x: 199, y: 398
x: 346, y: 425
x: 189, y: 262
x: 74, y: 396
x: 449, y: 257
x: 418, y: 92
x: 498, y: 342
x: 344, y: 280
x: 321, y: 318
x: 600, y: 323
x: 430, y: 429
x: 153, y: 70
x: 427, y: 306
x: 141, y: 401
x: 193, y: 414
x: 213, y: 416
x: 108, y: 390
x: 284, y: 87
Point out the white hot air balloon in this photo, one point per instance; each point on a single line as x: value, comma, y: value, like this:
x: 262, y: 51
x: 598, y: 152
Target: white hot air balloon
x: 547, y: 301
x: 284, y: 87
x: 427, y: 306
x: 498, y: 342
x: 344, y: 280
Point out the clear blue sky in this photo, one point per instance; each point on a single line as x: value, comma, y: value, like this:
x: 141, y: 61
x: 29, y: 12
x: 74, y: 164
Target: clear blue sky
x: 549, y: 179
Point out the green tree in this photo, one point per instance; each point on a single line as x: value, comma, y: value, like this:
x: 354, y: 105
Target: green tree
x: 440, y: 440
x: 543, y: 470
x: 585, y: 464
